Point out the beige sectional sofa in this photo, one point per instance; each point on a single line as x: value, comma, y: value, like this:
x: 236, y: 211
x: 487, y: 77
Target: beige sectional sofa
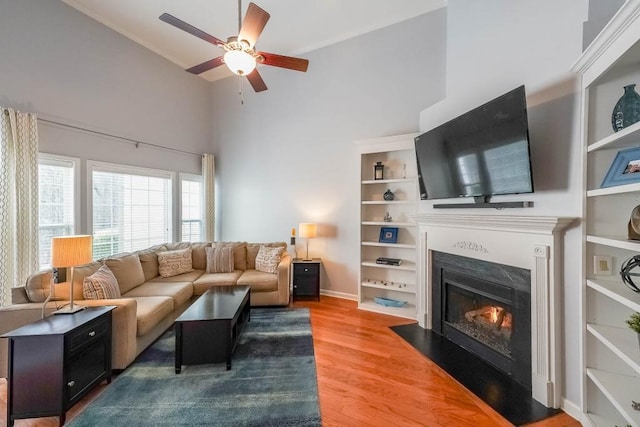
x: 149, y: 303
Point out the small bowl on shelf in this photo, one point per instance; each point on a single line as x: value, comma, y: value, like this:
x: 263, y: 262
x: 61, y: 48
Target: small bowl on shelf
x: 388, y: 302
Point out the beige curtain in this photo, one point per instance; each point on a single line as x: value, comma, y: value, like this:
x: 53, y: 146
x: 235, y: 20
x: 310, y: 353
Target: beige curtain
x: 18, y: 199
x: 208, y: 175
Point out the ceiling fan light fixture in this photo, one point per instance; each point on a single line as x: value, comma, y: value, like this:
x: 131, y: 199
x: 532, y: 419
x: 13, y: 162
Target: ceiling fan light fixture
x: 240, y: 62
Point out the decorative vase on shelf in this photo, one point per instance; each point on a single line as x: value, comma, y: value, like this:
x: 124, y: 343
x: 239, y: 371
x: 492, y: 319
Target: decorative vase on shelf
x: 627, y: 109
x: 388, y: 195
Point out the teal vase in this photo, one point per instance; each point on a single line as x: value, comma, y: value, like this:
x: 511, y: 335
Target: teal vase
x: 627, y: 109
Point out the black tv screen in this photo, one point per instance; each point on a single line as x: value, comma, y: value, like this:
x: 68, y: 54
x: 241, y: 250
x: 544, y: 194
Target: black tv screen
x: 481, y: 153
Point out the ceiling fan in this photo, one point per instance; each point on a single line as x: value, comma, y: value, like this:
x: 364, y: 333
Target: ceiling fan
x: 241, y: 56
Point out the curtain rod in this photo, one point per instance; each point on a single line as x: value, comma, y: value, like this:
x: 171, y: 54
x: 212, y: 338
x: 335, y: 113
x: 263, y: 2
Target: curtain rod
x: 123, y: 138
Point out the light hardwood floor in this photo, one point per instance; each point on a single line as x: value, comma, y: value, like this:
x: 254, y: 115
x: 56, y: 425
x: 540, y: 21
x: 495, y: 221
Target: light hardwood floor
x: 368, y: 376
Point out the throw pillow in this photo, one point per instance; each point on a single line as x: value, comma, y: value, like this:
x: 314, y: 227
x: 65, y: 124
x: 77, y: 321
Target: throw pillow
x: 172, y: 263
x: 101, y: 285
x: 219, y: 259
x: 268, y: 259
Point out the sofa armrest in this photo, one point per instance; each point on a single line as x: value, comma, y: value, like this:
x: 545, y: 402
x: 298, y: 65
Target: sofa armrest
x: 124, y: 329
x: 284, y: 279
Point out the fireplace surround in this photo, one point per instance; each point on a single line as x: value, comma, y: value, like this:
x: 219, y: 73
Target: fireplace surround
x: 485, y: 308
x: 532, y: 243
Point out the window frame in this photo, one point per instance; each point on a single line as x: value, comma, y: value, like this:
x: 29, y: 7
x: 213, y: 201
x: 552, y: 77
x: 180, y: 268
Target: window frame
x: 50, y: 159
x: 183, y: 176
x: 98, y: 166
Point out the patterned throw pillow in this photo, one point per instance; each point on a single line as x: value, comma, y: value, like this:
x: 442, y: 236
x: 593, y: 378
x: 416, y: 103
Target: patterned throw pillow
x: 101, y: 285
x: 172, y: 263
x: 268, y: 259
x: 219, y: 259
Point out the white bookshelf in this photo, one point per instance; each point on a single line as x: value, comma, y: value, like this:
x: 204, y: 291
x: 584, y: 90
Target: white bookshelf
x: 397, y: 282
x: 611, y: 354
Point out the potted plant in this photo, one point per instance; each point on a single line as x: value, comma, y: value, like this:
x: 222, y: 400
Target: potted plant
x: 634, y: 324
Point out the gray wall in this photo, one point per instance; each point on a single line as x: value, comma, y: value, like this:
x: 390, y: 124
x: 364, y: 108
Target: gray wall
x: 287, y: 155
x: 67, y: 67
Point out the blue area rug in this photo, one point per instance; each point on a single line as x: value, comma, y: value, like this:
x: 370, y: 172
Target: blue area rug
x: 272, y: 382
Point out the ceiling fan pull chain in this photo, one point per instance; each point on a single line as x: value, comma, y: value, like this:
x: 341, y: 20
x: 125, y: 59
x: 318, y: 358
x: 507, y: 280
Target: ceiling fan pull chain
x: 240, y: 91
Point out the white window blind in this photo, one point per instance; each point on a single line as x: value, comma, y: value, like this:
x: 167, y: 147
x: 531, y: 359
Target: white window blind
x: 56, y: 184
x: 191, y: 208
x: 131, y: 208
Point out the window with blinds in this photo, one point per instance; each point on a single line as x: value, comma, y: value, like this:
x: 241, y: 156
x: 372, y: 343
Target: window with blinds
x: 57, y: 201
x: 131, y: 208
x: 191, y: 208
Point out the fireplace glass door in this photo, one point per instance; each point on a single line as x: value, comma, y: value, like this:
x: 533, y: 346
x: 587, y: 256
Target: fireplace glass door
x: 485, y: 318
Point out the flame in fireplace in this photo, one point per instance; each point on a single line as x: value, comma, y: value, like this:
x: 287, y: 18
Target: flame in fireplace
x: 494, y: 317
x: 493, y: 314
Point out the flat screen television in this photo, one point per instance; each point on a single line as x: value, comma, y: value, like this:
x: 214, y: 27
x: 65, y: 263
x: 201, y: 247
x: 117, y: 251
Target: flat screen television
x: 482, y: 153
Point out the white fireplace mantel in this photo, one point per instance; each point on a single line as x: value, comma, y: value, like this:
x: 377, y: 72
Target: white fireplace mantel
x: 533, y: 243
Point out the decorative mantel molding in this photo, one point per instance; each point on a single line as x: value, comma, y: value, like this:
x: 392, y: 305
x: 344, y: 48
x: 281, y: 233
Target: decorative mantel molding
x: 513, y: 223
x: 530, y: 242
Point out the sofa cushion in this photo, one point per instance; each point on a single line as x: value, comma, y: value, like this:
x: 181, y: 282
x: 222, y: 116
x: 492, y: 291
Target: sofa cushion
x: 79, y: 273
x: 259, y: 281
x: 206, y: 281
x: 252, y: 252
x: 239, y: 253
x: 184, y: 277
x: 198, y: 255
x: 149, y: 261
x: 101, y: 285
x: 37, y: 285
x: 128, y: 271
x: 219, y: 259
x: 172, y: 263
x: 181, y: 292
x: 268, y: 259
x: 150, y: 311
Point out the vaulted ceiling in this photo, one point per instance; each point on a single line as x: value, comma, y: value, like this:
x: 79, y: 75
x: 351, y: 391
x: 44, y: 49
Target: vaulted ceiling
x: 295, y: 26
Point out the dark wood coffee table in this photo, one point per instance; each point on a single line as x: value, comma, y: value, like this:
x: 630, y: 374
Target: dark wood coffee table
x: 209, y: 330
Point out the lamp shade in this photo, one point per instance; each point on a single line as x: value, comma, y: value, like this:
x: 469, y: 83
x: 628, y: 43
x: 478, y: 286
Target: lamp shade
x: 239, y: 62
x: 307, y: 230
x: 69, y: 251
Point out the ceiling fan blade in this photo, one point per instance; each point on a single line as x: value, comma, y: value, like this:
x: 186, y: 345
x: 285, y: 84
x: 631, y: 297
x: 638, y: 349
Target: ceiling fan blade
x: 206, y: 66
x: 253, y: 23
x: 288, y: 62
x: 178, y: 23
x: 256, y: 81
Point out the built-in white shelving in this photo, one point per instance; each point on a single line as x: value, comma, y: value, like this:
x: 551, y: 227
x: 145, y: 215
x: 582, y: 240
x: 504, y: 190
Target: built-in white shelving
x: 611, y: 362
x: 397, y: 282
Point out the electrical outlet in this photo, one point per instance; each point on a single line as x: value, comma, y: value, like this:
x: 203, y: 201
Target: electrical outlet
x: 602, y: 265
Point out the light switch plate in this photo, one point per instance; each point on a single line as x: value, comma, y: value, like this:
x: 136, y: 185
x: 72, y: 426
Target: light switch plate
x: 602, y: 265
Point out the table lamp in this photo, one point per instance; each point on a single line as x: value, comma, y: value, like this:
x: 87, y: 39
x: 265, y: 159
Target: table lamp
x: 70, y: 251
x: 308, y: 230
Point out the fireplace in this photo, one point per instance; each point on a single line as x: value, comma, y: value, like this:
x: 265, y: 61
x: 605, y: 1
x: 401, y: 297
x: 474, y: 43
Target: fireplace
x: 485, y: 308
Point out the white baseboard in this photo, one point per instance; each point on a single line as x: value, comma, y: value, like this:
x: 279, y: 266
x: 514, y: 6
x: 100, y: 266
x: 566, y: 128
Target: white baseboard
x: 342, y: 295
x: 573, y: 410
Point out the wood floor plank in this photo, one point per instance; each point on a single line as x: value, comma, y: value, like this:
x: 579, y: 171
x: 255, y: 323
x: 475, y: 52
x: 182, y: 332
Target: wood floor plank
x: 369, y: 376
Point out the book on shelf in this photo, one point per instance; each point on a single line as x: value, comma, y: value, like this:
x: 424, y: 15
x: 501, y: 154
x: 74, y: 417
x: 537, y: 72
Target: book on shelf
x: 388, y: 261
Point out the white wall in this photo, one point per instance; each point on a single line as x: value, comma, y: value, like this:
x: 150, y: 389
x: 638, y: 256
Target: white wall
x: 287, y: 155
x: 494, y: 46
x: 66, y: 67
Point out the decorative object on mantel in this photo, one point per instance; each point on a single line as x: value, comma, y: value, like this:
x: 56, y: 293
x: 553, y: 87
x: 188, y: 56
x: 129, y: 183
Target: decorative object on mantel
x: 634, y: 323
x: 378, y: 171
x: 633, y: 228
x: 635, y: 405
x: 626, y: 272
x: 627, y: 110
x: 625, y: 168
x: 387, y: 218
x: 388, y: 195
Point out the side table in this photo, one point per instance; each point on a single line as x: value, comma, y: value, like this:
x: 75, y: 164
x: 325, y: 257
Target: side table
x: 56, y: 361
x: 306, y: 278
